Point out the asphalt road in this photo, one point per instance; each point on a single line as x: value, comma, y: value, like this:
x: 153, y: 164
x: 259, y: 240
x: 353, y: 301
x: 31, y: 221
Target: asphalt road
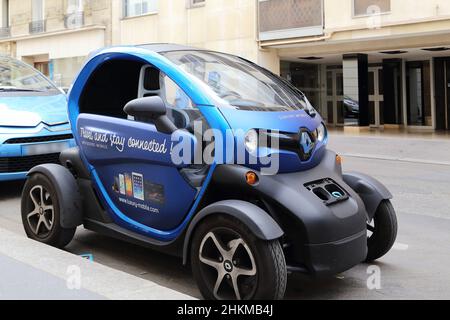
x: 416, y: 170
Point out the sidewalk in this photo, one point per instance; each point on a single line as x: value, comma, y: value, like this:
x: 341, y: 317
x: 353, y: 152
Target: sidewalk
x: 415, y: 169
x: 390, y: 145
x: 394, y: 133
x: 32, y: 271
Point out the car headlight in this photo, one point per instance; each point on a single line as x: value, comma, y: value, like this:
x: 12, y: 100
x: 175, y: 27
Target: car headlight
x: 251, y: 141
x: 321, y: 133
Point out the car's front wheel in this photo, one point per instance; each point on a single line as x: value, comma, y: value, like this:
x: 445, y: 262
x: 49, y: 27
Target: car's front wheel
x: 382, y: 231
x: 230, y: 263
x: 41, y: 213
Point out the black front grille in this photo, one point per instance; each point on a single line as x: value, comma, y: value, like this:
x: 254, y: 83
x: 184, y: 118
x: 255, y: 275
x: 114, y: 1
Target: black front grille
x: 294, y: 142
x: 39, y: 139
x: 25, y: 164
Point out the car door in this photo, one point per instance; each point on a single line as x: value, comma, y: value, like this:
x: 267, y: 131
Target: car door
x: 133, y: 169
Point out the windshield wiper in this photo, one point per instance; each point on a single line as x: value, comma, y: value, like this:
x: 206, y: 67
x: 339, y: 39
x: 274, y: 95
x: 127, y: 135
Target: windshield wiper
x: 8, y: 89
x: 246, y: 103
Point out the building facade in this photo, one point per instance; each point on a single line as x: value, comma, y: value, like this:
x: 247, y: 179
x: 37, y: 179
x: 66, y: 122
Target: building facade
x: 362, y: 63
x: 54, y: 35
x: 365, y: 63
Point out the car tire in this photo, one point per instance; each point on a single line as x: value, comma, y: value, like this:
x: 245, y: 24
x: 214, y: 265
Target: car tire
x: 41, y: 213
x: 383, y: 232
x: 262, y: 262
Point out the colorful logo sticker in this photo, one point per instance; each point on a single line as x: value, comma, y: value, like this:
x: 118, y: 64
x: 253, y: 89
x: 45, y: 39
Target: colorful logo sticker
x: 128, y: 185
x: 135, y: 186
x: 122, y: 188
x: 138, y: 186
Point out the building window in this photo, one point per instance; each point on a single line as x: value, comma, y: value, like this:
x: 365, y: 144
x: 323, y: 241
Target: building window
x: 370, y: 7
x: 5, y: 31
x: 74, y: 17
x: 37, y: 10
x: 134, y: 8
x: 4, y: 13
x: 283, y: 19
x: 75, y: 6
x: 38, y: 23
x: 195, y: 3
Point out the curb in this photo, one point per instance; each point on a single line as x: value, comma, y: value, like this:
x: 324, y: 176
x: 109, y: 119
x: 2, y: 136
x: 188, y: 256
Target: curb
x: 57, y: 266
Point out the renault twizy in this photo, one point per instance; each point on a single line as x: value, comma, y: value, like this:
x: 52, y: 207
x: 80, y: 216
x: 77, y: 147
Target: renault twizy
x: 241, y: 228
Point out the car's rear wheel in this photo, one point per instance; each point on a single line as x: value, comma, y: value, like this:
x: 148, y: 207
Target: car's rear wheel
x: 41, y: 213
x: 230, y: 263
x: 381, y: 231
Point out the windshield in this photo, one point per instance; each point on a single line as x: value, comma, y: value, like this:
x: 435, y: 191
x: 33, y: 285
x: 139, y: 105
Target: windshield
x: 16, y: 76
x: 238, y: 83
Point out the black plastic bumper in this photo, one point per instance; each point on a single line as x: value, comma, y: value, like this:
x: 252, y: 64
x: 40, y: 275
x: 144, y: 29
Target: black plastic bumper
x: 322, y: 237
x: 336, y: 257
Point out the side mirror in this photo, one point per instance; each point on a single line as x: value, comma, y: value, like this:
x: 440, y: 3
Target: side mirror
x: 152, y: 110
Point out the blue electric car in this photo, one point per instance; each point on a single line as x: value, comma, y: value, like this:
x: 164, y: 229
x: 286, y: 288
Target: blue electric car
x: 241, y: 226
x: 34, y: 125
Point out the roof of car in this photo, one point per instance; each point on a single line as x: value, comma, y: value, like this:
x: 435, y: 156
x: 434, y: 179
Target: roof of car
x: 165, y: 47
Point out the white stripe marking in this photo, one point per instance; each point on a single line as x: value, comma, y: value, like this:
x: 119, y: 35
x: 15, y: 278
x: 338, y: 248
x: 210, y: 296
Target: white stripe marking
x: 400, y: 246
x: 389, y: 158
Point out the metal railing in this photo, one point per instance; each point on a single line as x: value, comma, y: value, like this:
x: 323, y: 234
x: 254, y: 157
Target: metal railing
x: 279, y: 19
x: 74, y: 20
x: 38, y: 26
x: 5, y: 32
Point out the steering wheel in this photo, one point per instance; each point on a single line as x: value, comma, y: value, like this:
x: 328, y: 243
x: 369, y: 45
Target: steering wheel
x: 230, y: 94
x: 183, y: 117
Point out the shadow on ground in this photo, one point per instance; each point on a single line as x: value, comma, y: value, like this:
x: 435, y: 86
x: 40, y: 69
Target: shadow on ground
x: 10, y: 189
x: 168, y: 271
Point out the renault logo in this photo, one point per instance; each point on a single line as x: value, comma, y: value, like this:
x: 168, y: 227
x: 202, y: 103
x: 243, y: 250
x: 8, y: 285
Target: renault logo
x: 228, y: 266
x: 307, y: 144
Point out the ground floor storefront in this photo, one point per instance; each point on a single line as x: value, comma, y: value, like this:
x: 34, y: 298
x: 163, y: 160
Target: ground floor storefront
x: 364, y: 91
x: 397, y: 89
x: 62, y: 71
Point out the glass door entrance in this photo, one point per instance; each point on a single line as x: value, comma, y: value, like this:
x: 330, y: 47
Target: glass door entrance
x: 335, y: 97
x: 418, y: 93
x: 376, y: 97
x: 447, y: 110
